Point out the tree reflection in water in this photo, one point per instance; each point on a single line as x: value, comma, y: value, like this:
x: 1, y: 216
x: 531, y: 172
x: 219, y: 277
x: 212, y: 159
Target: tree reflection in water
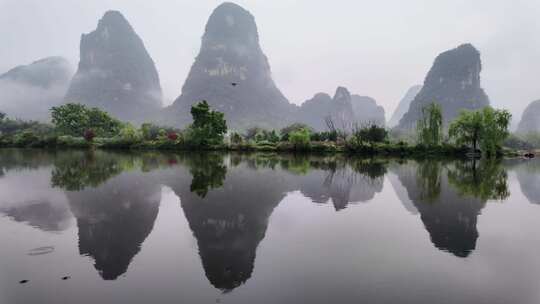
x: 449, y: 197
x: 228, y: 199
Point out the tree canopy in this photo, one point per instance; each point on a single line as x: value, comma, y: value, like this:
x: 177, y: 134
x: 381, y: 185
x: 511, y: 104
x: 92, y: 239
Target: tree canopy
x: 209, y: 127
x: 300, y: 139
x: 74, y: 119
x: 286, y: 131
x: 371, y: 133
x: 486, y: 128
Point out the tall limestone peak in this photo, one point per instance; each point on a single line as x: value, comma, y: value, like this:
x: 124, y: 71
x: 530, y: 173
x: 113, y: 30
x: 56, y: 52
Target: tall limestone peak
x: 232, y: 74
x: 530, y: 121
x: 366, y: 110
x: 29, y: 91
x: 404, y: 105
x: 115, y: 72
x: 453, y: 82
x: 316, y: 110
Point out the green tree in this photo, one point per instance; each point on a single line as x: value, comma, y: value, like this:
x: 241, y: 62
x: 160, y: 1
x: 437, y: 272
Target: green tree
x: 486, y: 128
x: 495, y: 130
x: 208, y: 128
x: 466, y: 129
x: 300, y: 139
x: 2, y: 115
x: 272, y: 136
x: 149, y: 131
x: 430, y: 125
x: 372, y: 133
x: 236, y: 138
x: 285, y: 132
x: 130, y: 133
x: 74, y: 119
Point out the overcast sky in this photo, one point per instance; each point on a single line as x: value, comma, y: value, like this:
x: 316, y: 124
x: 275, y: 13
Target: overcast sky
x: 376, y: 48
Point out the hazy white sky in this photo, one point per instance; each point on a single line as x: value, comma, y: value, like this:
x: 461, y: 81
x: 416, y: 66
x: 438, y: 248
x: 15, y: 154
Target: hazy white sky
x: 376, y: 48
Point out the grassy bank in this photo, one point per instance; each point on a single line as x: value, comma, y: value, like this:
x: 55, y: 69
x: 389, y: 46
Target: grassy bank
x: 389, y: 149
x: 80, y: 127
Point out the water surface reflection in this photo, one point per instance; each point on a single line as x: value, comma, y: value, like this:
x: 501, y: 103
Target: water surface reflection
x: 228, y: 200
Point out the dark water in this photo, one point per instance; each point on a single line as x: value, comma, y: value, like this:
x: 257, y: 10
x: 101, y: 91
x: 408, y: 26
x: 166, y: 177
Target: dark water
x: 103, y: 227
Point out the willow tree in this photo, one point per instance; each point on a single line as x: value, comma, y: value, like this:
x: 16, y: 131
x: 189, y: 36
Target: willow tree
x: 430, y: 125
x: 486, y: 128
x: 495, y: 131
x: 466, y: 129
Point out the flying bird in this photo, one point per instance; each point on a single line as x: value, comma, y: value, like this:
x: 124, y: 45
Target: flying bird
x: 234, y: 84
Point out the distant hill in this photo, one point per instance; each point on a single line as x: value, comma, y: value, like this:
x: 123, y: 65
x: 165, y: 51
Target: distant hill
x: 404, y: 105
x: 530, y: 120
x: 366, y: 110
x: 29, y: 91
x: 314, y: 112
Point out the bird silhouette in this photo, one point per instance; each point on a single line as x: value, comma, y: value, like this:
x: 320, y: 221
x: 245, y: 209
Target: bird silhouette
x: 234, y: 84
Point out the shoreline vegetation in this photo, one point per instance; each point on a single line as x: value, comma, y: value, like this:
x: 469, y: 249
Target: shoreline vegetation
x: 472, y: 134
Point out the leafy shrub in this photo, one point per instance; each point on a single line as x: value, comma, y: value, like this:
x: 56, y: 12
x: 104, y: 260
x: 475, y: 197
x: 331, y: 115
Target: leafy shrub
x: 300, y: 139
x: 151, y: 131
x: 25, y: 138
x: 74, y: 119
x: 236, y: 138
x: 129, y: 134
x: 173, y: 136
x: 371, y: 134
x: 285, y: 132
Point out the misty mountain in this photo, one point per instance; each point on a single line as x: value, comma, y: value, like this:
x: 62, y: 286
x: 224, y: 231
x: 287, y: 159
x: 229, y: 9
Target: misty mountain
x: 366, y: 110
x: 453, y: 82
x: 530, y: 121
x: 404, y: 105
x: 115, y: 72
x: 232, y: 74
x: 29, y: 91
x: 316, y: 110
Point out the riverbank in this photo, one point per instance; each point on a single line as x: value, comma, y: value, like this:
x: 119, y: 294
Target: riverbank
x: 401, y: 149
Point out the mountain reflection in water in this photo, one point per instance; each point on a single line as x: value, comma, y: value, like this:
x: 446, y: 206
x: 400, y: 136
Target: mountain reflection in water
x: 228, y: 199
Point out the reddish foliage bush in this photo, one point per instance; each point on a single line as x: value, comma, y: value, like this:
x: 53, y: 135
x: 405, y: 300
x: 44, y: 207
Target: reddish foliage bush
x: 172, y: 136
x: 89, y: 135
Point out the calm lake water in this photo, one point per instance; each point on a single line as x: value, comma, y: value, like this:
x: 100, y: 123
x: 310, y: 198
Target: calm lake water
x: 103, y: 227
